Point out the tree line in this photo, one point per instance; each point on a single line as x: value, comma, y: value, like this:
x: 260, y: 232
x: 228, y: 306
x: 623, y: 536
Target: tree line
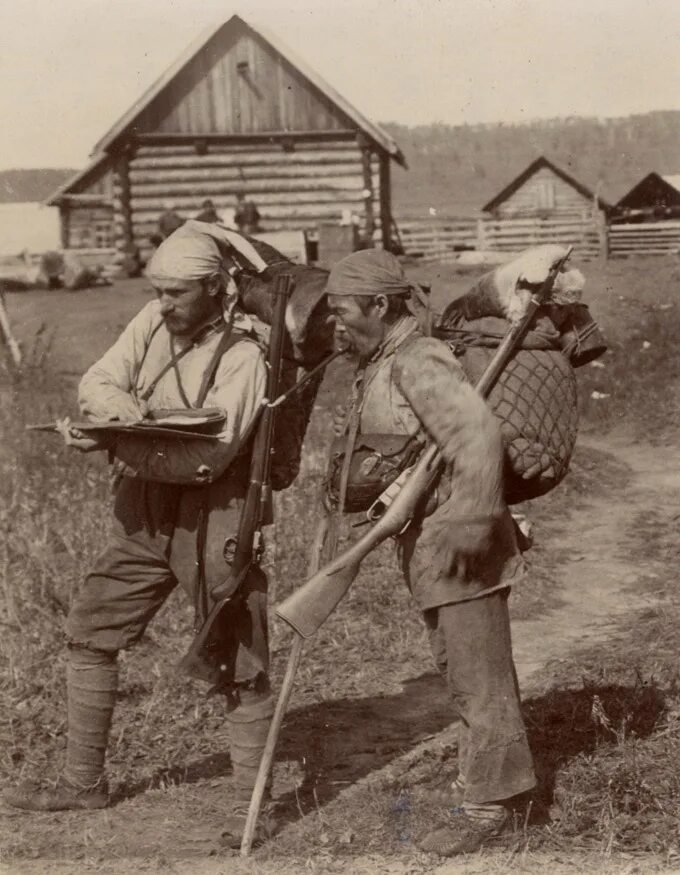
x: 457, y: 169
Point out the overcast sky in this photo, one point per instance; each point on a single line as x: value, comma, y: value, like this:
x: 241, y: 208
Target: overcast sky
x: 70, y: 68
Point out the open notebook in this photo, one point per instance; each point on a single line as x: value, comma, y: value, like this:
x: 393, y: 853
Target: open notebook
x: 202, y: 423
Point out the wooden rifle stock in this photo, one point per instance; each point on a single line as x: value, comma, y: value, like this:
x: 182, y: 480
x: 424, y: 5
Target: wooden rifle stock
x: 198, y: 661
x: 310, y: 606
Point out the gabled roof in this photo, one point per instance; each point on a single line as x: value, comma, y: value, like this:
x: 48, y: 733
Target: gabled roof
x: 66, y: 188
x: 127, y: 119
x: 534, y: 167
x: 651, y: 182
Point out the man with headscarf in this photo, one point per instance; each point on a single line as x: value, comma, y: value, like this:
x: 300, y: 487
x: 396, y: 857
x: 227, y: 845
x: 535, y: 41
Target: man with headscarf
x: 459, y: 554
x: 169, y: 220
x: 176, y: 502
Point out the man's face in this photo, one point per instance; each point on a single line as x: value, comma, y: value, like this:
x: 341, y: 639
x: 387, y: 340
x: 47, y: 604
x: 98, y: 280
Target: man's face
x: 365, y: 331
x: 186, y: 305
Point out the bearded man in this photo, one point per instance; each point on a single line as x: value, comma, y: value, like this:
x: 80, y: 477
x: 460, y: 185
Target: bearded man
x: 459, y: 555
x: 175, y: 504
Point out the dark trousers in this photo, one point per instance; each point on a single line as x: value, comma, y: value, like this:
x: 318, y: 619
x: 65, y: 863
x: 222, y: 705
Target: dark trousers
x: 472, y: 648
x: 155, y: 546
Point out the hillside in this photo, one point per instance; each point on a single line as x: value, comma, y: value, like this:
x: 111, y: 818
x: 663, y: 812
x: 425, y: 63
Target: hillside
x: 459, y: 169
x: 22, y: 186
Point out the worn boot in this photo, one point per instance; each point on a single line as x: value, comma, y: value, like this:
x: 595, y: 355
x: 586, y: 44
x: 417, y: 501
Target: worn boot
x: 62, y: 795
x: 92, y: 683
x: 466, y: 830
x: 248, y: 727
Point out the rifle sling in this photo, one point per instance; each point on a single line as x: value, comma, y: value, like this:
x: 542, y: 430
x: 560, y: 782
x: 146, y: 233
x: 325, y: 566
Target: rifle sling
x: 175, y: 357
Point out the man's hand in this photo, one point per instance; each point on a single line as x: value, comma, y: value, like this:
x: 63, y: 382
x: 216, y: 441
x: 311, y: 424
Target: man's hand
x: 339, y: 419
x: 465, y: 539
x: 74, y: 437
x: 127, y: 408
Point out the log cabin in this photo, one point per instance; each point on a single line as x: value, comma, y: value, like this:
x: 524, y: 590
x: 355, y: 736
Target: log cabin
x: 236, y: 113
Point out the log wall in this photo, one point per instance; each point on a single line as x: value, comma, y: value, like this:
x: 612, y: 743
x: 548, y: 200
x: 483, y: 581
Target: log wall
x: 88, y: 227
x: 299, y: 189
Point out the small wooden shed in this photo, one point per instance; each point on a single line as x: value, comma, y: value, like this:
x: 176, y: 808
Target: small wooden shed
x: 544, y: 190
x: 237, y: 113
x: 655, y: 198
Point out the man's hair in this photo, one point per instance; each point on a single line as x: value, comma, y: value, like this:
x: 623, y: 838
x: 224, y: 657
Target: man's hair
x: 396, y: 305
x: 215, y: 279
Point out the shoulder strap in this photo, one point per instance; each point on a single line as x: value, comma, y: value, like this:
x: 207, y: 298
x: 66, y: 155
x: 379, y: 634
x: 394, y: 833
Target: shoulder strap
x: 138, y: 369
x: 229, y: 338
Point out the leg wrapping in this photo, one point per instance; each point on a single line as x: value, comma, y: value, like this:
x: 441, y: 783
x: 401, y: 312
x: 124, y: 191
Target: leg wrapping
x: 248, y: 728
x: 92, y: 683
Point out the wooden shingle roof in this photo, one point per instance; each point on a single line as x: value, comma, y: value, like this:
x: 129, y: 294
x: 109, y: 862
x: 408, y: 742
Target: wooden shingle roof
x: 127, y: 120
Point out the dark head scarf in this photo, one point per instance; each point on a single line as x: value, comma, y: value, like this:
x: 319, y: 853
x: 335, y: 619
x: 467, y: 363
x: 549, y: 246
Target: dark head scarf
x: 368, y: 272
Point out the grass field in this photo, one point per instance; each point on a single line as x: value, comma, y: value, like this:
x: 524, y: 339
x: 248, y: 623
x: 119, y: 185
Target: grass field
x: 365, y: 694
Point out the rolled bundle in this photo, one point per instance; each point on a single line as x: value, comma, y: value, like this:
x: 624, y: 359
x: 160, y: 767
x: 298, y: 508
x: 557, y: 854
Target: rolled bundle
x: 535, y: 398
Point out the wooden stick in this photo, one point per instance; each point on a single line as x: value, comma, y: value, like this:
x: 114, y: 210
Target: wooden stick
x: 7, y: 336
x: 270, y: 746
x: 281, y: 706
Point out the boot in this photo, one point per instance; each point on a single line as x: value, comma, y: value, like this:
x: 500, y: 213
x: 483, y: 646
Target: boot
x: 61, y: 796
x: 466, y: 830
x: 248, y: 727
x: 92, y: 683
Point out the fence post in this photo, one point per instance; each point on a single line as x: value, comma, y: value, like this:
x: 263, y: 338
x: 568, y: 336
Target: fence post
x: 603, y: 235
x: 481, y: 242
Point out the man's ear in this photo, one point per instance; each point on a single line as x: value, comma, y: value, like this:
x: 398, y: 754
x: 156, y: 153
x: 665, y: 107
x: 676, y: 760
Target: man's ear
x: 214, y: 286
x: 381, y: 304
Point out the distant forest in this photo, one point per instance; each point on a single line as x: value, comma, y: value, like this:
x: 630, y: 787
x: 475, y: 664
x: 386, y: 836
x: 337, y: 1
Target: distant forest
x: 456, y: 170
x: 22, y: 186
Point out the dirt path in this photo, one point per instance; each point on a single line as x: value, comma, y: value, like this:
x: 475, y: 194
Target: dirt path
x: 596, y: 588
x: 597, y: 583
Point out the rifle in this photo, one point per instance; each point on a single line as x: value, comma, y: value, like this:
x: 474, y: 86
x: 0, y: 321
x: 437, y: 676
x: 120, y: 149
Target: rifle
x: 246, y: 547
x: 310, y: 606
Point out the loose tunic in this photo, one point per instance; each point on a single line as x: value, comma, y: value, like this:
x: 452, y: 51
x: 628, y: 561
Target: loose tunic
x: 414, y: 385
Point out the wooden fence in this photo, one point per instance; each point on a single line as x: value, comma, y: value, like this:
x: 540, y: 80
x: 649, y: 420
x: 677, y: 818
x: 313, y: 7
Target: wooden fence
x: 437, y: 239
x: 586, y: 233
x: 442, y: 239
x: 652, y: 238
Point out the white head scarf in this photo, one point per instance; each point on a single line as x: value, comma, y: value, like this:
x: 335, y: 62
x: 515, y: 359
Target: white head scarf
x: 192, y: 252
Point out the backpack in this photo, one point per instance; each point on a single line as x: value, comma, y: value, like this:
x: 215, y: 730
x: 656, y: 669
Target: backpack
x: 309, y: 340
x: 535, y: 398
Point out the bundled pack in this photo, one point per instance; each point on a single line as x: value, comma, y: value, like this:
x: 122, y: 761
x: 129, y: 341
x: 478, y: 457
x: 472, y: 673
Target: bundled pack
x: 309, y: 340
x: 535, y: 398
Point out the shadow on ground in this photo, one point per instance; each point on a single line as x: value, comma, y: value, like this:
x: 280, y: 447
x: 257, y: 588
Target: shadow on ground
x: 564, y: 724
x: 330, y: 745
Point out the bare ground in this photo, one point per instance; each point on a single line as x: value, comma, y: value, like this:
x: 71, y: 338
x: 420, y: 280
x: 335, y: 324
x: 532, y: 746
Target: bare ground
x: 175, y: 829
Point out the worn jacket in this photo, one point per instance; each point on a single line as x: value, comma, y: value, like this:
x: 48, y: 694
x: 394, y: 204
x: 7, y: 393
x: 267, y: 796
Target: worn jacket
x: 414, y: 384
